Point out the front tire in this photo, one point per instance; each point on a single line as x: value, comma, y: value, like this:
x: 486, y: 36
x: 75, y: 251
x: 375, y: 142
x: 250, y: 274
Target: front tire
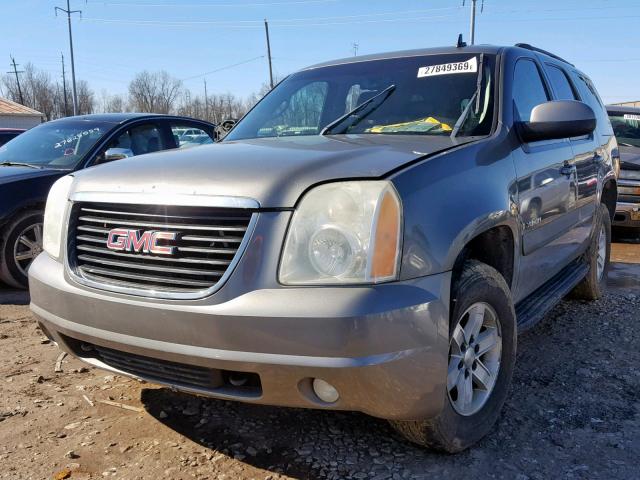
x: 481, y: 359
x: 594, y: 284
x: 21, y: 243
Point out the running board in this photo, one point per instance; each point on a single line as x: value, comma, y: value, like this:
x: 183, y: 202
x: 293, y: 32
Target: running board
x: 533, y: 308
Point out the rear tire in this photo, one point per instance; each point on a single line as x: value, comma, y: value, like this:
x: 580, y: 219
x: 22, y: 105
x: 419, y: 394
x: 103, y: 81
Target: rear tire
x: 456, y: 427
x: 594, y: 284
x: 21, y: 243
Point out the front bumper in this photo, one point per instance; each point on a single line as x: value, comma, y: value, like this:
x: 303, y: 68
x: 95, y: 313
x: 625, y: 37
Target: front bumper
x: 624, y: 213
x: 383, y: 347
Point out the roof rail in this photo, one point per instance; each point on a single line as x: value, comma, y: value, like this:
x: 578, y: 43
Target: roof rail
x: 544, y: 52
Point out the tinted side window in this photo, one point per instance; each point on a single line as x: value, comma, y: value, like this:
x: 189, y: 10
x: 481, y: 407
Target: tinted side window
x: 187, y: 136
x: 134, y: 141
x: 529, y: 89
x: 560, y: 83
x: 588, y: 94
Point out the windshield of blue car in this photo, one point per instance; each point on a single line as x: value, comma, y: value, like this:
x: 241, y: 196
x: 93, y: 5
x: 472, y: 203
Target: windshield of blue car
x: 626, y: 127
x: 419, y: 95
x: 61, y: 144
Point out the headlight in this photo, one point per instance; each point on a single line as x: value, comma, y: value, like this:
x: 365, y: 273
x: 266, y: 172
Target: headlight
x: 344, y: 232
x: 54, y: 216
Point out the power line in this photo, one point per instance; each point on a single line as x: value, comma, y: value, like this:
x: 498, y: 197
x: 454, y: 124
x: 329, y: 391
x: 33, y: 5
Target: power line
x: 226, y: 67
x: 256, y: 23
x: 16, y: 72
x: 68, y: 11
x: 215, y: 5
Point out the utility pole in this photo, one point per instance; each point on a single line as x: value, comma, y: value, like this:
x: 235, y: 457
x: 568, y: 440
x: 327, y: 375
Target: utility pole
x: 355, y: 49
x: 472, y: 32
x: 16, y: 72
x: 266, y: 29
x: 68, y: 11
x: 64, y: 87
x: 206, y: 101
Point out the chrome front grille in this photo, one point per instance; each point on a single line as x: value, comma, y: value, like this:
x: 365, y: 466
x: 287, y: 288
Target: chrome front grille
x: 208, y: 242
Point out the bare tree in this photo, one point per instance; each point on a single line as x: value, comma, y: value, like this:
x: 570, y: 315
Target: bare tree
x: 154, y: 92
x: 86, y: 98
x: 40, y: 93
x: 113, y: 103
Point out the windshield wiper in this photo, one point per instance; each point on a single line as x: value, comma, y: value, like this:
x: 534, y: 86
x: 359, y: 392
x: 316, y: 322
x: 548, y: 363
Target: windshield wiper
x: 474, y: 99
x: 622, y: 144
x: 20, y: 164
x: 383, y: 95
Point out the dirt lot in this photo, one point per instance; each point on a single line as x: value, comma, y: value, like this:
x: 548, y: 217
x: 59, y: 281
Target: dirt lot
x: 573, y: 412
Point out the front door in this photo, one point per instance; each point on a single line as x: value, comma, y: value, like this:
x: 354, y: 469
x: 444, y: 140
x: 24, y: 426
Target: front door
x: 547, y: 189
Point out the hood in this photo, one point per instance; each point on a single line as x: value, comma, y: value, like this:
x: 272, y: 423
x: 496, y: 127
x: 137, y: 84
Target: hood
x: 272, y: 171
x: 629, y: 158
x: 9, y: 174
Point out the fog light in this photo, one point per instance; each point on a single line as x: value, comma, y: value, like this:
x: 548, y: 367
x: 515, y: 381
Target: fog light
x: 325, y: 391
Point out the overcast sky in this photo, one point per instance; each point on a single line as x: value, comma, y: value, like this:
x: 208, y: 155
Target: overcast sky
x: 188, y: 38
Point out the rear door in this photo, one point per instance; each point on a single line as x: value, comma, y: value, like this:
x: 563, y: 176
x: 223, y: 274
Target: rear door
x: 586, y: 154
x: 547, y: 184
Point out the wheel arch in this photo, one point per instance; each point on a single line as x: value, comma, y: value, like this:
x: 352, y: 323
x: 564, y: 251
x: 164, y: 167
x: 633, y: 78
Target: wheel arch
x: 10, y: 216
x: 496, y: 247
x: 609, y: 196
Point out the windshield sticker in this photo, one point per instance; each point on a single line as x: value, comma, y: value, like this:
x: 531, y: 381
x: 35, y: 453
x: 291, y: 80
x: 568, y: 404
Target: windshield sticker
x: 76, y: 137
x: 631, y: 116
x: 470, y: 66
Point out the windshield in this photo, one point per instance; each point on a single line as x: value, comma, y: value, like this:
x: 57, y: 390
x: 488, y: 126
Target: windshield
x: 60, y: 145
x: 626, y: 127
x: 431, y: 93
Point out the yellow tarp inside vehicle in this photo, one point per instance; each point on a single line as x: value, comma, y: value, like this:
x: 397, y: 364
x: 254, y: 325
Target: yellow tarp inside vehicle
x: 420, y: 125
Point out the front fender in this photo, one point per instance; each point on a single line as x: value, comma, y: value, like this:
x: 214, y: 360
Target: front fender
x: 450, y: 199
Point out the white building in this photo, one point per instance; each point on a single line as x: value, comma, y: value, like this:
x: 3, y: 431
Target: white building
x: 14, y: 115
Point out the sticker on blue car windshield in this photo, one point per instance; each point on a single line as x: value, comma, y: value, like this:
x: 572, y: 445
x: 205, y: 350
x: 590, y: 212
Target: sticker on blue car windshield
x: 470, y: 66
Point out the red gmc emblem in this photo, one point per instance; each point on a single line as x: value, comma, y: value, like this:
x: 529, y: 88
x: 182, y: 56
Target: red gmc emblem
x: 127, y: 240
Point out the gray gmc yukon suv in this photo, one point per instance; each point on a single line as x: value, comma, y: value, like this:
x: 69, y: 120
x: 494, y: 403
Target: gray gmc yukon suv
x: 371, y: 236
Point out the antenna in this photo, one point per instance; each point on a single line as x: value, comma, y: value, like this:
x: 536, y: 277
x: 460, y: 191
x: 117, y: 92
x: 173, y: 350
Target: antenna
x: 355, y: 48
x: 460, y: 43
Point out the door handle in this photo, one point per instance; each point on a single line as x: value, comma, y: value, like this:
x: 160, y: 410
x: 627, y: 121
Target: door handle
x: 568, y: 170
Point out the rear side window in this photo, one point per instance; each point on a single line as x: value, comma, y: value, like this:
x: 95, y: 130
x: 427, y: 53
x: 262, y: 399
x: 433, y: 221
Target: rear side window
x: 588, y: 93
x: 560, y: 83
x: 529, y: 89
x: 187, y: 136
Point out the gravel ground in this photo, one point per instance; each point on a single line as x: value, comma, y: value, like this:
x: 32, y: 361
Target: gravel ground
x: 573, y: 412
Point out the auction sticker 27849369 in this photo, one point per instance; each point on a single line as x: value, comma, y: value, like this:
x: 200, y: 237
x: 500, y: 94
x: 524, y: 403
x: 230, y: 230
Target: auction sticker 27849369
x: 470, y: 66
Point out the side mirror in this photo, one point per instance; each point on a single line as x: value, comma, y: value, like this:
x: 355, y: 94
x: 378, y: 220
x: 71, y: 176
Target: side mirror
x: 117, y: 154
x: 224, y: 127
x: 558, y: 119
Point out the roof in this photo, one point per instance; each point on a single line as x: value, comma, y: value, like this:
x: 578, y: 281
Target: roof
x: 117, y: 118
x: 473, y: 49
x: 621, y: 109
x: 7, y: 107
x: 110, y: 117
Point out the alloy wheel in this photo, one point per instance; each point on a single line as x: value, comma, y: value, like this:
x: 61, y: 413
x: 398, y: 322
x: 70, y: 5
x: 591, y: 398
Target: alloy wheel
x: 474, y: 358
x: 27, y: 246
